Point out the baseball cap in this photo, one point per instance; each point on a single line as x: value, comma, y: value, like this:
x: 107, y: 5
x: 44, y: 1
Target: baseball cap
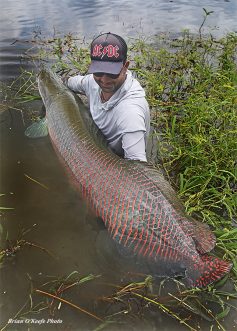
x: 108, y: 54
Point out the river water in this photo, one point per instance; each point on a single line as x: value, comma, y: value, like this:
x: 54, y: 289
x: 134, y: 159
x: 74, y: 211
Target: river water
x: 57, y: 234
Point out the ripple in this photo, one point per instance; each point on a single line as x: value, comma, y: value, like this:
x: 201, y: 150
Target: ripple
x: 91, y: 17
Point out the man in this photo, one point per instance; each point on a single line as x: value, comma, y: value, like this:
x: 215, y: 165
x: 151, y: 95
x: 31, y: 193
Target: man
x: 116, y: 99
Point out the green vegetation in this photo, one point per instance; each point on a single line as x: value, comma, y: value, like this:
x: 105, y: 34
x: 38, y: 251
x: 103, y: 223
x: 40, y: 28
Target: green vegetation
x: 192, y: 90
x: 193, y: 95
x: 191, y: 86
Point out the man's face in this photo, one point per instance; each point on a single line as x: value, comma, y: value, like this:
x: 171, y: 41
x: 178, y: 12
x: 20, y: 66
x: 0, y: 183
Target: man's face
x: 111, y: 83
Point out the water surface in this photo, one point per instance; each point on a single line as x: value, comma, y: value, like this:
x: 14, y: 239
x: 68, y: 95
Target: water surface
x: 26, y: 18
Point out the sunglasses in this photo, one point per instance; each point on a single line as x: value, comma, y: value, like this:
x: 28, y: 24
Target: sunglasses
x: 101, y: 74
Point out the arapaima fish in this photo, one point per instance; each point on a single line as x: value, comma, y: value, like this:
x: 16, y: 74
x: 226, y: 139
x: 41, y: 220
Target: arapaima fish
x: 136, y: 203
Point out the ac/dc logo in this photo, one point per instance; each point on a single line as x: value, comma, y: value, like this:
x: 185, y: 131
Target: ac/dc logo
x: 110, y: 51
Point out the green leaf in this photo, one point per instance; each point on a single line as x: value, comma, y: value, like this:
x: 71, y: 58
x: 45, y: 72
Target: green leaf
x: 223, y: 314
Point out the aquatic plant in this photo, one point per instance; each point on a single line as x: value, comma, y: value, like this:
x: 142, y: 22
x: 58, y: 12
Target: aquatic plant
x: 13, y: 246
x: 2, y: 207
x: 52, y: 290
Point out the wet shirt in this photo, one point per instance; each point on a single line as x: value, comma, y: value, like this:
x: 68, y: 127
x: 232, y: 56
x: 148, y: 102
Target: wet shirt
x: 124, y: 119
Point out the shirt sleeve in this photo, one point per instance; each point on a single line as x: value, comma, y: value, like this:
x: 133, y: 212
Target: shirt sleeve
x: 79, y: 84
x: 134, y: 146
x: 131, y: 118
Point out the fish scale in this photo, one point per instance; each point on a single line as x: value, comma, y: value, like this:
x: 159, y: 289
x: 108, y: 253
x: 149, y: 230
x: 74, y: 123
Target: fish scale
x: 105, y: 209
x: 138, y: 206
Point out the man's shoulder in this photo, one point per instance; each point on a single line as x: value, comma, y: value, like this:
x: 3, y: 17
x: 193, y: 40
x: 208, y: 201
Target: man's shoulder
x: 132, y: 92
x: 133, y: 104
x: 129, y: 112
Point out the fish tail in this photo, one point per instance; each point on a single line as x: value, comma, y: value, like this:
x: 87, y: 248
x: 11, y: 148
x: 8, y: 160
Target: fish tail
x: 209, y: 270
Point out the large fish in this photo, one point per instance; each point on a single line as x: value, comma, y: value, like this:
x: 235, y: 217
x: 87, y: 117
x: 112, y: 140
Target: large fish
x: 138, y: 206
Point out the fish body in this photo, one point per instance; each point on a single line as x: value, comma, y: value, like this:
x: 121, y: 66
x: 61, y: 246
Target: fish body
x: 138, y: 206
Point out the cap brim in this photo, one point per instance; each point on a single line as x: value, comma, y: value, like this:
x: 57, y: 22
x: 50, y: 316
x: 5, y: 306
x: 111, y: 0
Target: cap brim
x: 105, y: 66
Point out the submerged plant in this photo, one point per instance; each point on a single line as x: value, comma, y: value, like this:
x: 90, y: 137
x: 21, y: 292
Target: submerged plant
x: 2, y: 207
x: 12, y: 247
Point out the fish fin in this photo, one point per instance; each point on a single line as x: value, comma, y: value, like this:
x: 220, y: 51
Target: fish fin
x: 209, y: 270
x: 201, y: 234
x: 37, y: 129
x: 203, y: 237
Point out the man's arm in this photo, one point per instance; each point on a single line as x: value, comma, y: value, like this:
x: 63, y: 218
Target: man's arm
x: 134, y: 146
x: 78, y: 84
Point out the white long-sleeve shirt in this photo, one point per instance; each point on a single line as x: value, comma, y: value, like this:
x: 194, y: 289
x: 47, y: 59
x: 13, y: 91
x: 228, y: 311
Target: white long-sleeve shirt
x: 124, y: 119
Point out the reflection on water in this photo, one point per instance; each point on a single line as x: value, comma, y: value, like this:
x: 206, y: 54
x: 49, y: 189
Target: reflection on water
x: 90, y: 16
x: 25, y: 18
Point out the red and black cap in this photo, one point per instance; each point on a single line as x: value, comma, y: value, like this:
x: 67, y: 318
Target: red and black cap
x: 108, y: 54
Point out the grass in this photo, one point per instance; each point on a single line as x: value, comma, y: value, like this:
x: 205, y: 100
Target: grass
x: 12, y: 247
x: 131, y: 302
x: 191, y: 87
x: 52, y: 290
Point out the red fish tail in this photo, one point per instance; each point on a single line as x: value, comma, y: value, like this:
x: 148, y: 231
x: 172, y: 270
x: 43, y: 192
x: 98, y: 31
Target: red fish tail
x: 209, y: 270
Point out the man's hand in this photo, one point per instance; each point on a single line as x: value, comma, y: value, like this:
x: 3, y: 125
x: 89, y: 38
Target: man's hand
x: 65, y: 78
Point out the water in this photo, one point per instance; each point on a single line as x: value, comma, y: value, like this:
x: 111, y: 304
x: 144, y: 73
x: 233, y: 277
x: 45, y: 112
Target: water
x: 49, y: 213
x: 22, y: 19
